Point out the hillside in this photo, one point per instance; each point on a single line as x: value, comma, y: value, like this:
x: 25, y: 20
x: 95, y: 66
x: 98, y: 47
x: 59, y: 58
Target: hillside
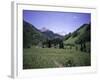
x: 82, y: 33
x: 31, y: 35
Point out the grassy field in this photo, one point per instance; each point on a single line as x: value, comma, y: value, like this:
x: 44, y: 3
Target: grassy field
x: 51, y: 58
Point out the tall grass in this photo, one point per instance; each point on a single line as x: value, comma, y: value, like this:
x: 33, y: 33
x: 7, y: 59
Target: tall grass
x: 45, y: 58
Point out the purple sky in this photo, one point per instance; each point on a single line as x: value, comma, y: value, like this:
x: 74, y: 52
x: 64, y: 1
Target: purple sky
x: 58, y: 22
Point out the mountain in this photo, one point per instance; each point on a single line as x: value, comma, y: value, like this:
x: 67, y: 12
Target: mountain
x: 31, y: 35
x: 51, y: 35
x: 83, y: 33
x: 34, y: 36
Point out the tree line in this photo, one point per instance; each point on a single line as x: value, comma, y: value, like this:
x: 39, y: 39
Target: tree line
x: 53, y: 43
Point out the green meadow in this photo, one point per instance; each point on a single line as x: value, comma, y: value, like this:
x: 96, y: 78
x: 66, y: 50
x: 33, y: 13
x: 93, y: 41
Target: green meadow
x: 53, y: 58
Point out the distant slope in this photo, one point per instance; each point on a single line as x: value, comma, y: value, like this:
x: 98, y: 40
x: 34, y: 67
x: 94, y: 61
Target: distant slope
x: 83, y: 33
x: 31, y: 35
x: 51, y: 35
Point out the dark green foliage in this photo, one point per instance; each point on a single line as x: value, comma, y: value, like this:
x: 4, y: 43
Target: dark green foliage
x: 81, y: 27
x: 69, y: 63
x: 53, y: 43
x: 80, y: 38
x: 76, y: 48
x: 61, y: 44
x: 67, y: 36
x: 31, y: 35
x: 86, y: 36
x: 27, y: 35
x: 69, y: 44
x: 84, y: 47
x: 46, y: 43
x: 49, y: 43
x: 74, y: 34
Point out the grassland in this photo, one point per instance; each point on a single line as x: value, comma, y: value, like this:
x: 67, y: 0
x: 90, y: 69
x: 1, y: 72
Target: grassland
x: 52, y: 57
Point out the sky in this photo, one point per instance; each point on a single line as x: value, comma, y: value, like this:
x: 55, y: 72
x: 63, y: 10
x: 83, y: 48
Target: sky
x: 58, y: 22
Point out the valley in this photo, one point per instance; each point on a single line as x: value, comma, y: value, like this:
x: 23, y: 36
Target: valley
x: 50, y: 50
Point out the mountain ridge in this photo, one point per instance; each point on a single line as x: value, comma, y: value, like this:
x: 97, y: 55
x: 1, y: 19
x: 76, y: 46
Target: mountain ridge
x: 81, y: 33
x: 34, y: 36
